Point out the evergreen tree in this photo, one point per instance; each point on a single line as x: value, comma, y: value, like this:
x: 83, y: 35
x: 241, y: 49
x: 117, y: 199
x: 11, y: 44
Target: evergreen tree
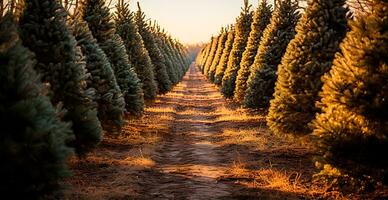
x: 261, y: 20
x: 97, y: 15
x: 308, y: 57
x: 164, y: 83
x: 277, y: 35
x: 138, y: 54
x: 217, y: 57
x: 45, y: 32
x: 243, y: 28
x: 33, y: 152
x: 352, y: 128
x: 111, y: 104
x: 207, y: 54
x: 175, y: 56
x: 220, y: 69
x: 212, y: 53
x: 166, y: 59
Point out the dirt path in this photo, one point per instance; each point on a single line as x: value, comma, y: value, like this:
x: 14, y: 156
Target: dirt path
x: 189, y: 164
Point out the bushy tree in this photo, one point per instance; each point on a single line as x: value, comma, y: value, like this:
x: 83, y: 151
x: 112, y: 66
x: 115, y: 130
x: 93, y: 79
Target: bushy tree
x: 138, y: 54
x: 243, y: 28
x: 308, y: 57
x: 111, y: 104
x: 212, y: 53
x: 352, y: 127
x: 45, y: 32
x: 261, y: 20
x: 277, y: 35
x: 217, y: 57
x: 33, y: 149
x: 220, y: 69
x: 98, y: 17
x: 164, y: 83
x: 206, y: 55
x: 165, y: 54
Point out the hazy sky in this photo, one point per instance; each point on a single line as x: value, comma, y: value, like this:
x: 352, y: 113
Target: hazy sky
x: 192, y: 21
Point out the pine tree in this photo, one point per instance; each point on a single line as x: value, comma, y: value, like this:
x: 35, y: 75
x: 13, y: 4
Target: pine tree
x: 33, y: 152
x: 217, y: 57
x: 212, y: 53
x: 243, y: 28
x: 45, y: 32
x: 261, y: 20
x: 277, y: 35
x: 164, y: 83
x: 207, y: 54
x: 166, y: 59
x: 352, y: 127
x: 138, y: 54
x: 175, y: 56
x: 308, y: 57
x: 220, y: 69
x: 111, y: 104
x: 98, y: 17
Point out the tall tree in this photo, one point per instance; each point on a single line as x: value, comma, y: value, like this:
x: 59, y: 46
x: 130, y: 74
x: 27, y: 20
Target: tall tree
x: 308, y: 57
x: 352, y: 127
x: 138, y: 54
x: 98, y: 16
x: 220, y: 69
x: 164, y: 83
x: 261, y: 82
x: 45, y: 32
x: 207, y: 54
x: 212, y: 53
x: 217, y: 57
x: 111, y: 104
x: 243, y: 28
x: 261, y: 20
x: 33, y: 150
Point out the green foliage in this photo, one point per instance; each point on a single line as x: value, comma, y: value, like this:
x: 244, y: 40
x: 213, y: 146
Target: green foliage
x: 206, y: 55
x: 97, y: 15
x: 164, y: 83
x: 261, y: 20
x: 243, y: 28
x: 217, y: 57
x: 212, y: 53
x: 111, y: 104
x: 44, y: 31
x: 308, y: 57
x: 277, y: 35
x: 33, y: 153
x: 352, y: 128
x: 138, y: 54
x: 220, y: 69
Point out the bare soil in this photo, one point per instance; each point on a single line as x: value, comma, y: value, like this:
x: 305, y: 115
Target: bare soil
x: 192, y: 144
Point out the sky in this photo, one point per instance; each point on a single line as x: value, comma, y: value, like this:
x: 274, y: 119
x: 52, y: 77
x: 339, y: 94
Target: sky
x: 192, y: 21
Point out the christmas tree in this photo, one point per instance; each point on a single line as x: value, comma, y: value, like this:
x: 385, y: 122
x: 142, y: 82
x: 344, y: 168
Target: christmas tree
x: 98, y: 17
x: 206, y: 55
x: 45, y: 32
x: 261, y: 19
x: 276, y: 36
x: 164, y: 83
x: 308, y: 57
x: 218, y: 54
x: 220, y: 69
x: 111, y: 104
x: 33, y: 149
x: 212, y: 53
x: 243, y: 28
x: 352, y: 127
x: 138, y: 54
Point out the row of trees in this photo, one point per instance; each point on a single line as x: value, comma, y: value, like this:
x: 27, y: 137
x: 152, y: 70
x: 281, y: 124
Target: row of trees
x: 323, y: 74
x: 64, y: 78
